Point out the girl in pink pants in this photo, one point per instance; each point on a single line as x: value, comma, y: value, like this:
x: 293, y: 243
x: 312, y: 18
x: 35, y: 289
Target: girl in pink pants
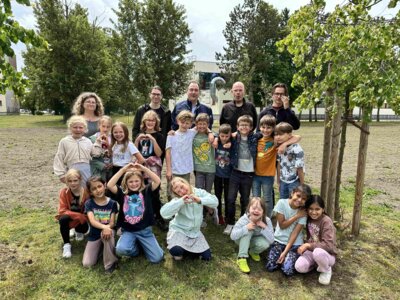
x: 319, y: 251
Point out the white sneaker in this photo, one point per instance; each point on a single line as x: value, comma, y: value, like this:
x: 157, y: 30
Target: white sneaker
x: 228, y: 229
x: 71, y: 233
x: 79, y: 236
x: 177, y: 258
x: 325, y: 277
x: 67, y: 250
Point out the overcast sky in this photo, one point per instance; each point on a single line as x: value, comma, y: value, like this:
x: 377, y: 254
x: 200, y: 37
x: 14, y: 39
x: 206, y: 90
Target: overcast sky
x: 206, y: 18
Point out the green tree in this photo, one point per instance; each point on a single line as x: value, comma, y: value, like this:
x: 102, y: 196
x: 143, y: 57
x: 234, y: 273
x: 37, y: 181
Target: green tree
x: 78, y: 60
x: 11, y: 33
x: 152, y: 36
x: 251, y: 55
x: 361, y: 55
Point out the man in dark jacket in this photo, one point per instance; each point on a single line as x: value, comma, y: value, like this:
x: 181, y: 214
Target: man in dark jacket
x: 193, y: 105
x: 280, y: 107
x: 237, y: 107
x: 155, y: 104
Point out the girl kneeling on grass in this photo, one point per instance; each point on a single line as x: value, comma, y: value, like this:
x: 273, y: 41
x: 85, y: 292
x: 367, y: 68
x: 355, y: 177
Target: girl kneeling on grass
x: 320, y: 247
x: 184, y: 235
x: 101, y: 212
x: 136, y: 212
x: 71, y: 205
x: 290, y: 217
x: 253, y: 232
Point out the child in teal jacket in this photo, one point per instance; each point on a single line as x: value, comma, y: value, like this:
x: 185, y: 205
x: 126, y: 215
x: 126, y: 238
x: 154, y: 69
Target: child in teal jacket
x: 184, y: 235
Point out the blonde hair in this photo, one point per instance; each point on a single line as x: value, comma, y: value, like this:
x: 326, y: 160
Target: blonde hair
x: 78, y: 109
x: 245, y: 119
x: 202, y: 117
x: 182, y: 180
x: 77, y: 120
x: 105, y: 119
x: 75, y: 173
x: 151, y: 114
x: 184, y: 116
x: 128, y: 175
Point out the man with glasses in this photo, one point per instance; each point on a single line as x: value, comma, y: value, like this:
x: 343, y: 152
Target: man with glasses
x: 237, y: 107
x: 280, y: 107
x: 155, y: 104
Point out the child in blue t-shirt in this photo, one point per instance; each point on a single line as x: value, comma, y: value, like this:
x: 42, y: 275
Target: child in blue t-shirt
x: 101, y: 212
x: 291, y: 218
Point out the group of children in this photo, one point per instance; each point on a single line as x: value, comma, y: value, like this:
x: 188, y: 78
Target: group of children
x: 101, y: 176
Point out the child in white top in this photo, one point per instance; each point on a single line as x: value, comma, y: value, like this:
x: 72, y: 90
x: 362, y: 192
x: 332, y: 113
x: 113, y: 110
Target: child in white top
x: 74, y: 151
x: 123, y: 150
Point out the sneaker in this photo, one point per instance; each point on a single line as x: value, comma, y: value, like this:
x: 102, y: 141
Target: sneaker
x: 79, y: 236
x: 177, y: 257
x: 243, y: 266
x: 112, y: 268
x: 71, y: 233
x: 67, y: 250
x: 255, y: 256
x: 214, y: 216
x: 221, y: 220
x: 228, y: 229
x: 325, y: 277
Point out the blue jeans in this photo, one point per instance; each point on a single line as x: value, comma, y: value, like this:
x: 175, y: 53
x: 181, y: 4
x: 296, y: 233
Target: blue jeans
x: 287, y: 266
x: 285, y: 189
x: 266, y: 183
x: 130, y: 240
x: 239, y: 182
x: 179, y: 251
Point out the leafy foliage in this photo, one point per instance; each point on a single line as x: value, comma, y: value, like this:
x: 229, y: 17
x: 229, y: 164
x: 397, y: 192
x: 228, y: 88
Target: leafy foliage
x: 362, y: 51
x: 251, y: 55
x: 78, y: 59
x: 11, y: 32
x: 152, y: 37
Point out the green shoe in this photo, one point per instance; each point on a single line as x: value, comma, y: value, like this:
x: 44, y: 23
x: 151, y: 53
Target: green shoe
x: 255, y: 256
x: 242, y: 263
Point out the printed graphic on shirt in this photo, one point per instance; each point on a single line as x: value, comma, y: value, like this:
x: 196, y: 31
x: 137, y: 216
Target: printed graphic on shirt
x: 102, y: 215
x: 202, y: 151
x: 133, y: 208
x: 146, y: 147
x: 222, y: 158
x: 261, y: 152
x: 313, y: 229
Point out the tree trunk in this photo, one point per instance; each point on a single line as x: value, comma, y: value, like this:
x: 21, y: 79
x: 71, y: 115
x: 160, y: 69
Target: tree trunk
x: 315, y: 113
x: 310, y: 115
x: 326, y: 149
x: 362, y: 157
x: 334, y: 155
x: 378, y: 114
x: 341, y: 155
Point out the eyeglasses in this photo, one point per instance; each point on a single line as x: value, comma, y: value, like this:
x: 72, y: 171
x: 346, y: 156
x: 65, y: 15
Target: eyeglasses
x: 279, y: 94
x: 244, y: 125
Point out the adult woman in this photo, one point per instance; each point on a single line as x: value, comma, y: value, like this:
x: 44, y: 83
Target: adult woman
x: 90, y: 106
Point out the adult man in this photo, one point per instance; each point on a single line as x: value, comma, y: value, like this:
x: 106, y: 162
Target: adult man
x: 155, y: 104
x: 280, y: 107
x: 192, y: 104
x: 238, y: 107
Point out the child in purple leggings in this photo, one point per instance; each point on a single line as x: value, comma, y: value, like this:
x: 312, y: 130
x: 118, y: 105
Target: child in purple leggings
x: 320, y: 247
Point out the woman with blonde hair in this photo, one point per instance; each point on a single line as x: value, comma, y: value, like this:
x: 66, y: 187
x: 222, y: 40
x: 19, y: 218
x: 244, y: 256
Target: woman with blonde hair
x: 90, y: 106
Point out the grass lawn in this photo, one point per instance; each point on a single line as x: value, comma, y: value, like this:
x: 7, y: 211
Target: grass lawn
x: 31, y: 266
